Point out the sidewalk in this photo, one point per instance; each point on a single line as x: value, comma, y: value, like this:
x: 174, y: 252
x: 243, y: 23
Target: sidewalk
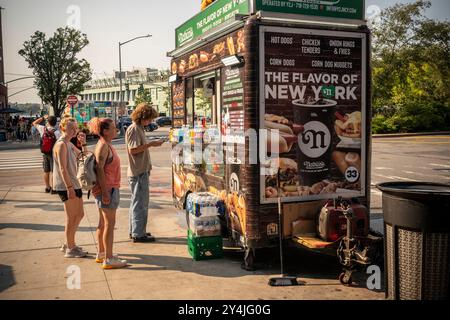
x: 32, y: 267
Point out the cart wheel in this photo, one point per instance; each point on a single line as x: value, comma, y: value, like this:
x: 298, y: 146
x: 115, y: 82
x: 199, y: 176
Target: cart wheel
x: 345, y: 278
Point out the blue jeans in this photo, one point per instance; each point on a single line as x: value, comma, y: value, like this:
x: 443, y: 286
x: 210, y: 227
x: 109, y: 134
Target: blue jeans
x: 139, y: 204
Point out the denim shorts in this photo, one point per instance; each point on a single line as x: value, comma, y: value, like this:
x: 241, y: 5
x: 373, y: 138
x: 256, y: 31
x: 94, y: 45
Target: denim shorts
x: 114, y: 202
x: 47, y: 162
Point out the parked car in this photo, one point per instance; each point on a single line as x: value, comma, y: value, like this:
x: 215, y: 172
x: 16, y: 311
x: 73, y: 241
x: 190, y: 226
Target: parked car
x: 125, y: 122
x: 151, y: 127
x: 163, y: 121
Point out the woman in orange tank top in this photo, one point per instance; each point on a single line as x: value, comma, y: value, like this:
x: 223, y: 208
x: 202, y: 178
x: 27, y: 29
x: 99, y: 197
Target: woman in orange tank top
x: 106, y: 191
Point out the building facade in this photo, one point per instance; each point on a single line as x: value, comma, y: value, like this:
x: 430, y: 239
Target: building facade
x: 108, y: 89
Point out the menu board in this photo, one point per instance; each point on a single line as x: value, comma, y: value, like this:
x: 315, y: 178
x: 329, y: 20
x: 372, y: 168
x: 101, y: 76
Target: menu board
x: 210, y: 55
x: 178, y: 104
x: 313, y: 86
x: 232, y: 102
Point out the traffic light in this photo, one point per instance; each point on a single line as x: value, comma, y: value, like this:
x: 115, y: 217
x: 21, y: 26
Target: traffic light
x: 127, y: 86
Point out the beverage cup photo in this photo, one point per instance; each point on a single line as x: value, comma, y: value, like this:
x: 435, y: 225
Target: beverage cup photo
x: 314, y: 143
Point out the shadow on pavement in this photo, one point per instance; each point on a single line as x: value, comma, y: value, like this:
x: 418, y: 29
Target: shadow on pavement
x: 212, y: 268
x: 301, y: 264
x: 42, y: 227
x: 7, y: 279
x: 44, y: 207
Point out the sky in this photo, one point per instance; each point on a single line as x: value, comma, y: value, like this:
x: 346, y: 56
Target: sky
x: 108, y: 22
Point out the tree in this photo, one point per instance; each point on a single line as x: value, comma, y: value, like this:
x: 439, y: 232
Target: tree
x: 57, y: 70
x: 411, y: 70
x: 143, y: 96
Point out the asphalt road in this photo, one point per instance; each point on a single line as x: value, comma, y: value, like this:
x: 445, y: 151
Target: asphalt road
x: 420, y: 158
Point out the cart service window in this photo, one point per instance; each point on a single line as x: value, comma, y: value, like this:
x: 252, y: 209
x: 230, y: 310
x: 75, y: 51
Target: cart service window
x: 205, y: 99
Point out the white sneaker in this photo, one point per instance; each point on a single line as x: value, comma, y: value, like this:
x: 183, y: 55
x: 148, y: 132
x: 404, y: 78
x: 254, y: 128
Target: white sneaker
x: 64, y: 248
x: 76, y: 252
x: 114, y: 263
x: 100, y: 257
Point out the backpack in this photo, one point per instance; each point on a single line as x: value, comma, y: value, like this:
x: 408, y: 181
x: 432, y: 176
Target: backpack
x: 48, y: 141
x: 86, y: 174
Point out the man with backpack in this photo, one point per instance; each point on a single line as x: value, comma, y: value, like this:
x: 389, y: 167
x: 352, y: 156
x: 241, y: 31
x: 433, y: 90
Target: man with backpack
x: 49, y: 134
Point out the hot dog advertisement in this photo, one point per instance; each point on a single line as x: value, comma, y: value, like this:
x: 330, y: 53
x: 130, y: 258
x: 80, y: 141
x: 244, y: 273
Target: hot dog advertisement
x: 313, y: 96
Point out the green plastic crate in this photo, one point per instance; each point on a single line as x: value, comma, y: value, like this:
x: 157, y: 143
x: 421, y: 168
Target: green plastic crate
x: 204, y: 248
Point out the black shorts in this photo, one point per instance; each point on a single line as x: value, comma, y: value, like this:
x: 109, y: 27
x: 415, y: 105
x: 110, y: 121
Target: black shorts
x: 64, y: 196
x: 47, y: 162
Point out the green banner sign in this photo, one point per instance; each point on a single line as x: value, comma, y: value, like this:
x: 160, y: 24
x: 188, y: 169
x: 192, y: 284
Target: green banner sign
x: 213, y: 16
x: 348, y: 9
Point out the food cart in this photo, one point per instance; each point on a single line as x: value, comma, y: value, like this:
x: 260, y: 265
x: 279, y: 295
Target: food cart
x: 272, y: 99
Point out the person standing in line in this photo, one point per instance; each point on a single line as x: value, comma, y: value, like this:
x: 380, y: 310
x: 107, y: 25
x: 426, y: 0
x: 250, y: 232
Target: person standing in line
x: 139, y: 167
x: 76, y: 140
x: 66, y: 184
x: 49, y: 135
x: 106, y: 191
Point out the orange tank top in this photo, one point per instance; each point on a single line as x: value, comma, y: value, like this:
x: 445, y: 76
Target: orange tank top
x: 112, y: 173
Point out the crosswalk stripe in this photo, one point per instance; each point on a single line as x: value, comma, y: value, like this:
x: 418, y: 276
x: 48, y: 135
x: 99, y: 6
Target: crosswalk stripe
x: 24, y: 157
x: 20, y: 168
x: 21, y: 159
x: 21, y: 163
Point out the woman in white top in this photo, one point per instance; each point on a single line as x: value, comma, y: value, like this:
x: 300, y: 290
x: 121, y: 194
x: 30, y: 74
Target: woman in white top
x: 66, y: 184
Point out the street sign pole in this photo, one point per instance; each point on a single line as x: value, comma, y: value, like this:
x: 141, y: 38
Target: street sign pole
x: 72, y: 101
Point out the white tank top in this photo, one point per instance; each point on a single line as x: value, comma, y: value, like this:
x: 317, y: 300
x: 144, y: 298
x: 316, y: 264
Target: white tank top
x: 58, y: 183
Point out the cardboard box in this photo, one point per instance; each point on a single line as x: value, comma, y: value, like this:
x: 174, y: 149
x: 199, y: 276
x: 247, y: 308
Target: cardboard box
x: 295, y: 211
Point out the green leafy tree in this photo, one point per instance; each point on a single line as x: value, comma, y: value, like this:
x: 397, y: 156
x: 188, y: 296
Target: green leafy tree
x: 411, y: 70
x: 57, y: 70
x: 143, y: 95
x: 203, y: 103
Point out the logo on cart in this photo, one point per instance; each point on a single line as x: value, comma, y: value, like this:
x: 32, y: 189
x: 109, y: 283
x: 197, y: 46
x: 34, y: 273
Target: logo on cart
x: 272, y: 229
x: 186, y: 36
x: 315, y: 140
x: 234, y: 183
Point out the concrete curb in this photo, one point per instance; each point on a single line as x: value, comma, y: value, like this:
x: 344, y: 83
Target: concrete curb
x: 394, y: 135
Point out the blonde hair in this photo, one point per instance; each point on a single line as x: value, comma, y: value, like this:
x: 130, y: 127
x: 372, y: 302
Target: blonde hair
x: 66, y: 118
x: 143, y: 112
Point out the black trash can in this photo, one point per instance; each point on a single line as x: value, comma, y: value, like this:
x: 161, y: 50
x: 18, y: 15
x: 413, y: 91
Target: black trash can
x: 417, y: 240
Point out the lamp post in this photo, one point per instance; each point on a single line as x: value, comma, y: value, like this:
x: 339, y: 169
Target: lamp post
x: 120, y: 71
